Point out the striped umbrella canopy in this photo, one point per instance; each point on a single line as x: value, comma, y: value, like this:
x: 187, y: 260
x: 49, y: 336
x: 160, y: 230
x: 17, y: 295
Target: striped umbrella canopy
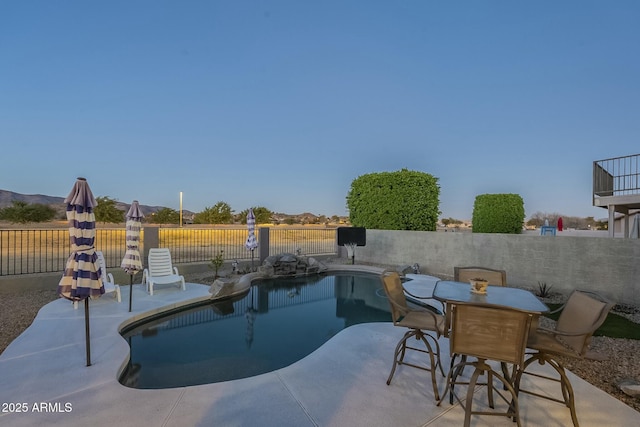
x: 251, y: 242
x: 81, y: 279
x: 131, y: 263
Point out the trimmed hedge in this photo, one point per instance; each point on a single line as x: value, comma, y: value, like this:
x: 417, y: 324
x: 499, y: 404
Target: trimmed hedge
x: 498, y: 213
x: 402, y: 200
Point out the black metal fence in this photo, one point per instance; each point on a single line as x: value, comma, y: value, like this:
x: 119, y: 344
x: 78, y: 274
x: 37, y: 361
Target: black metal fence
x: 47, y: 250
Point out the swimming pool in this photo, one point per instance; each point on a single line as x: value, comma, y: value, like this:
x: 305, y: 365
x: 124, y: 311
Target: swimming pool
x: 278, y: 322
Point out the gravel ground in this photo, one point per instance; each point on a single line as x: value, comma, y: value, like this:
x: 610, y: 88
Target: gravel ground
x: 623, y: 363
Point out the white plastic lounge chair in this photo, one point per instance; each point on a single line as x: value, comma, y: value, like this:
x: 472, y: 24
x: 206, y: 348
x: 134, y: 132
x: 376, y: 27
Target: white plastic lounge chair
x: 161, y: 271
x: 107, y: 280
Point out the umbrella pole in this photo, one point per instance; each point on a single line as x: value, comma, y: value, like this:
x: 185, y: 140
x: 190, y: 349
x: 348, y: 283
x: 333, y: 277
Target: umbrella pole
x: 86, y: 330
x: 130, y: 290
x: 252, y: 260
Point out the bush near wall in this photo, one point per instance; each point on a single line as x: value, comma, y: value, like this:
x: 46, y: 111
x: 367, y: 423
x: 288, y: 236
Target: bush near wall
x: 401, y: 200
x: 498, y: 213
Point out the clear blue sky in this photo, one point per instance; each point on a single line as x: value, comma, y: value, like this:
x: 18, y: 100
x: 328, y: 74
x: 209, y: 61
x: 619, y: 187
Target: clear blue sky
x: 282, y: 104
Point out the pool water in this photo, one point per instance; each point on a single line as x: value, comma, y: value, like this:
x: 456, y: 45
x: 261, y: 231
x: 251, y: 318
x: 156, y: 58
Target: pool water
x: 277, y: 323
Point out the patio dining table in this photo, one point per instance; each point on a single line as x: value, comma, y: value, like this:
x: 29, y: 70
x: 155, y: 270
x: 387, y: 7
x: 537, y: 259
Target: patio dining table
x: 450, y: 292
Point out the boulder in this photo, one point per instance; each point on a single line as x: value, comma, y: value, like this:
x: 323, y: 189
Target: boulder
x: 221, y: 287
x: 630, y: 387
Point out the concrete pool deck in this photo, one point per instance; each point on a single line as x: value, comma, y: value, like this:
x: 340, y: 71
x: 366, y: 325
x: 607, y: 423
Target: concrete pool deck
x: 343, y: 383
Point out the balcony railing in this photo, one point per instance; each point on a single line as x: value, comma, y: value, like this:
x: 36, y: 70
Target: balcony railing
x: 618, y: 176
x: 47, y: 250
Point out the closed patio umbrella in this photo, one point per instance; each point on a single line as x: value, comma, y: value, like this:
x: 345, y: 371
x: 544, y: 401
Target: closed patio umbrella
x: 131, y: 262
x: 81, y: 278
x: 251, y: 242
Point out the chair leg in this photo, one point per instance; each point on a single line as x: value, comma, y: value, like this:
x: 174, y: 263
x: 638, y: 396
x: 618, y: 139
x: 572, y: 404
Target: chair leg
x: 469, y: 400
x: 459, y: 370
x: 437, y: 346
x: 481, y: 367
x: 568, y: 396
x: 400, y: 348
x: 454, y: 371
x: 433, y: 363
x: 434, y: 357
x: 490, y: 389
x: 514, y: 405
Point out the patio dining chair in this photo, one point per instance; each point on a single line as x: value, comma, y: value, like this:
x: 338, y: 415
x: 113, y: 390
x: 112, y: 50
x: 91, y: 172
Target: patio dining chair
x: 423, y: 325
x: 487, y: 333
x: 493, y: 276
x: 580, y: 316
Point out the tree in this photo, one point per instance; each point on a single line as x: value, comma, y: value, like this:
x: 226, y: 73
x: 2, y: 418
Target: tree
x: 166, y: 216
x: 402, y: 200
x: 106, y: 211
x: 450, y: 221
x: 498, y: 213
x: 220, y: 213
x: 262, y: 214
x: 23, y: 212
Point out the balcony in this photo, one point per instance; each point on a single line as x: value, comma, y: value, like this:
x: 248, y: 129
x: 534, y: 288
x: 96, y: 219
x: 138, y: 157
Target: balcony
x: 616, y: 187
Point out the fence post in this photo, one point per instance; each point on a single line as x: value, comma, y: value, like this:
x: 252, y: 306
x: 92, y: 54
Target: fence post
x: 263, y: 243
x: 151, y: 240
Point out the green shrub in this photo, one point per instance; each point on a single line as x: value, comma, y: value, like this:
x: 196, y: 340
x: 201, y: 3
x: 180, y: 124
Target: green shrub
x: 498, y: 213
x: 402, y: 200
x: 217, y: 262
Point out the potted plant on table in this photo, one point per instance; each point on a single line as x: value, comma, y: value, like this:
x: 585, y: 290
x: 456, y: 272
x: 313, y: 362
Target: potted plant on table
x: 479, y: 285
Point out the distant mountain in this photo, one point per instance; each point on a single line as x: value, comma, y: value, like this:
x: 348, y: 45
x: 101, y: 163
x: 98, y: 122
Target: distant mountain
x: 8, y: 197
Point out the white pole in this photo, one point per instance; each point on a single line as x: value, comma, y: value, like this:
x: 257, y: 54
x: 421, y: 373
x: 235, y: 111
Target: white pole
x: 181, y: 209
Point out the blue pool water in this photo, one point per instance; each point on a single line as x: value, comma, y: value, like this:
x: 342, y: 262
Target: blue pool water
x: 276, y: 324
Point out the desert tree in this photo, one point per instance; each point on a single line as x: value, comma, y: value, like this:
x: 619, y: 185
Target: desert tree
x: 220, y: 213
x: 262, y: 214
x: 106, y: 210
x: 166, y: 216
x: 22, y: 212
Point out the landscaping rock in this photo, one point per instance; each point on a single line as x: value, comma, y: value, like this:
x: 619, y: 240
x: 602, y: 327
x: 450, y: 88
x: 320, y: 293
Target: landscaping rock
x: 222, y: 287
x: 630, y: 387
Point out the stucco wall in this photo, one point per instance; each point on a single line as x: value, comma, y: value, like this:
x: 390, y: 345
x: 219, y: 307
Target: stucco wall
x: 609, y: 266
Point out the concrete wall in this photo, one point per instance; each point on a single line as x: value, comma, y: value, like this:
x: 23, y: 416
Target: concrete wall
x: 609, y: 266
